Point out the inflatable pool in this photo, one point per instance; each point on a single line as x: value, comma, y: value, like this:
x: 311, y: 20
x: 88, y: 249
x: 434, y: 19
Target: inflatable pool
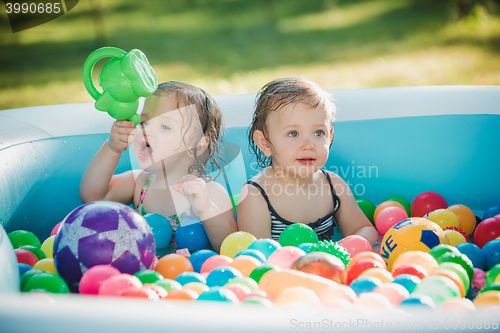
x: 388, y: 141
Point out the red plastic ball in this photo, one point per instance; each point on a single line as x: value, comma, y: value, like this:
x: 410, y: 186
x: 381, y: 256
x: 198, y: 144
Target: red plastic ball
x: 487, y: 230
x: 362, y: 266
x: 427, y: 202
x: 25, y: 257
x: 412, y: 269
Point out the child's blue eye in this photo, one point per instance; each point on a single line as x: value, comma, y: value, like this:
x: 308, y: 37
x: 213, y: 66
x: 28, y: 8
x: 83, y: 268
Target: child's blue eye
x: 319, y: 133
x: 293, y: 133
x: 165, y: 127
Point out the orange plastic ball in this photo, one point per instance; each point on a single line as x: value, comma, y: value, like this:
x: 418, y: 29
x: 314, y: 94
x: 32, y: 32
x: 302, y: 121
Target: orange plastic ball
x: 245, y: 264
x: 382, y: 274
x: 488, y: 298
x: 183, y: 294
x: 420, y: 258
x: 384, y: 205
x: 466, y: 218
x: 365, y: 255
x: 198, y: 287
x: 452, y: 276
x: 172, y: 265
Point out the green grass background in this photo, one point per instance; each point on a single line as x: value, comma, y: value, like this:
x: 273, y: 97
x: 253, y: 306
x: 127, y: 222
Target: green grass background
x: 236, y: 46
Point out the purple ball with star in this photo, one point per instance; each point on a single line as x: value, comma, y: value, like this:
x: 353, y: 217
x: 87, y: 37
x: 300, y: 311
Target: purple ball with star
x: 102, y: 232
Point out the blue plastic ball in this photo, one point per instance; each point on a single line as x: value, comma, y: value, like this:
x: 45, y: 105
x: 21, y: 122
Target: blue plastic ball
x: 220, y: 275
x: 474, y: 253
x: 305, y: 247
x: 161, y: 228
x: 266, y: 246
x: 23, y: 268
x: 409, y: 281
x: 253, y: 253
x: 491, y: 251
x: 491, y: 211
x: 218, y: 294
x: 365, y: 284
x: 188, y: 277
x: 199, y: 257
x: 418, y: 301
x: 191, y: 235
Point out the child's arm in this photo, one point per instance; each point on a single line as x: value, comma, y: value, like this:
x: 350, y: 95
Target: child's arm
x: 212, y: 205
x: 253, y: 213
x: 98, y: 182
x: 350, y: 218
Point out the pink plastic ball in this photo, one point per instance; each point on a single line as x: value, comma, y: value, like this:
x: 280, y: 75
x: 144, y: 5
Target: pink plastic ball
x: 93, y: 278
x: 388, y: 217
x: 241, y: 291
x: 215, y: 261
x: 355, y: 244
x: 394, y: 292
x: 54, y: 230
x: 116, y: 284
x: 285, y: 257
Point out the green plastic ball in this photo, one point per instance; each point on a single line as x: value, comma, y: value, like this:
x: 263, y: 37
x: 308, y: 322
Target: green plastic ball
x: 492, y: 274
x: 368, y: 208
x: 437, y: 287
x: 438, y: 250
x: 148, y: 276
x: 19, y: 238
x: 259, y: 272
x: 48, y: 282
x: 296, y: 234
x: 169, y: 284
x: 460, y: 259
x: 35, y: 250
x: 405, y: 203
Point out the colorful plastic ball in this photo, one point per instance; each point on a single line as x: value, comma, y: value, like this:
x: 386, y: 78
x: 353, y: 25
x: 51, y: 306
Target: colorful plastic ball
x: 305, y: 246
x: 422, y: 259
x: 380, y: 273
x: 411, y: 269
x: 189, y: 277
x: 460, y: 259
x: 367, y: 207
x: 46, y: 265
x: 491, y: 252
x: 492, y: 274
x: 491, y: 211
x: 102, y: 232
x: 416, y: 301
x: 286, y: 256
x: 394, y: 292
x: 169, y: 284
x: 466, y: 218
x: 182, y: 294
x: 28, y: 275
x: 191, y: 235
x: 301, y: 294
x: 338, y: 292
x: 372, y: 301
x: 94, y: 277
x: 491, y: 286
x: 459, y: 270
x: 266, y: 246
x: 246, y: 281
x: 48, y: 282
x: 140, y: 292
x: 474, y: 253
x: 361, y: 266
x: 220, y: 275
x: 236, y: 242
x: 258, y: 272
x: 245, y: 264
x: 366, y: 255
x: 161, y: 228
x: 488, y: 299
x: 355, y: 244
x: 365, y: 284
x: 487, y: 230
x: 439, y: 250
x: 218, y: 294
x: 427, y: 202
x: 116, y: 284
x: 403, y: 201
x: 48, y: 247
x: 408, y: 281
x: 386, y: 204
x: 252, y: 253
x: 454, y: 277
x: 296, y: 234
x: 388, y: 217
x: 198, y: 287
x: 439, y: 288
x: 19, y: 238
x: 199, y: 257
x: 35, y: 250
x: 413, y: 234
x: 23, y: 268
x: 454, y: 237
x: 172, y: 265
x: 25, y: 257
x: 148, y: 276
x: 215, y: 261
x: 444, y: 218
x: 322, y: 264
x: 458, y: 305
x: 55, y: 229
x: 240, y: 290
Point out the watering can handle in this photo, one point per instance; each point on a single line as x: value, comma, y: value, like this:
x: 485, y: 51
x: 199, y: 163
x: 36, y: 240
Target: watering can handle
x: 103, y: 52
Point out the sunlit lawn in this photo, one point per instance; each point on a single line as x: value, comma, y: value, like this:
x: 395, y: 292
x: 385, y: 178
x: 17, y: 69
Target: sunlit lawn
x: 236, y: 46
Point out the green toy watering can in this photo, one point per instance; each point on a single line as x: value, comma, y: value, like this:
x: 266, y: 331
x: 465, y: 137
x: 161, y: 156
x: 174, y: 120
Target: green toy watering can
x: 124, y: 79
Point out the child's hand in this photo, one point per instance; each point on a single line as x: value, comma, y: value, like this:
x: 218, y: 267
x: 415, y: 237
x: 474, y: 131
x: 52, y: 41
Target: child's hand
x: 121, y: 136
x: 195, y: 191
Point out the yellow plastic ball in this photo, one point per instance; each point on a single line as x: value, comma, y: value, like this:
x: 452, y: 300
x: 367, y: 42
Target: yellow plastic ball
x: 488, y: 298
x: 454, y: 237
x: 46, y: 265
x: 48, y: 246
x: 236, y: 242
x: 444, y: 218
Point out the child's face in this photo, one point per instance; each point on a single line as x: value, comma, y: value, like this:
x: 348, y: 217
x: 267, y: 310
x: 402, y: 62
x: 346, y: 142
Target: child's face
x: 300, y: 138
x: 167, y: 131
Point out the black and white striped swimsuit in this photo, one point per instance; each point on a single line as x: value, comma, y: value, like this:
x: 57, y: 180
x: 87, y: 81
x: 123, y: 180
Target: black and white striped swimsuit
x: 323, y: 226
